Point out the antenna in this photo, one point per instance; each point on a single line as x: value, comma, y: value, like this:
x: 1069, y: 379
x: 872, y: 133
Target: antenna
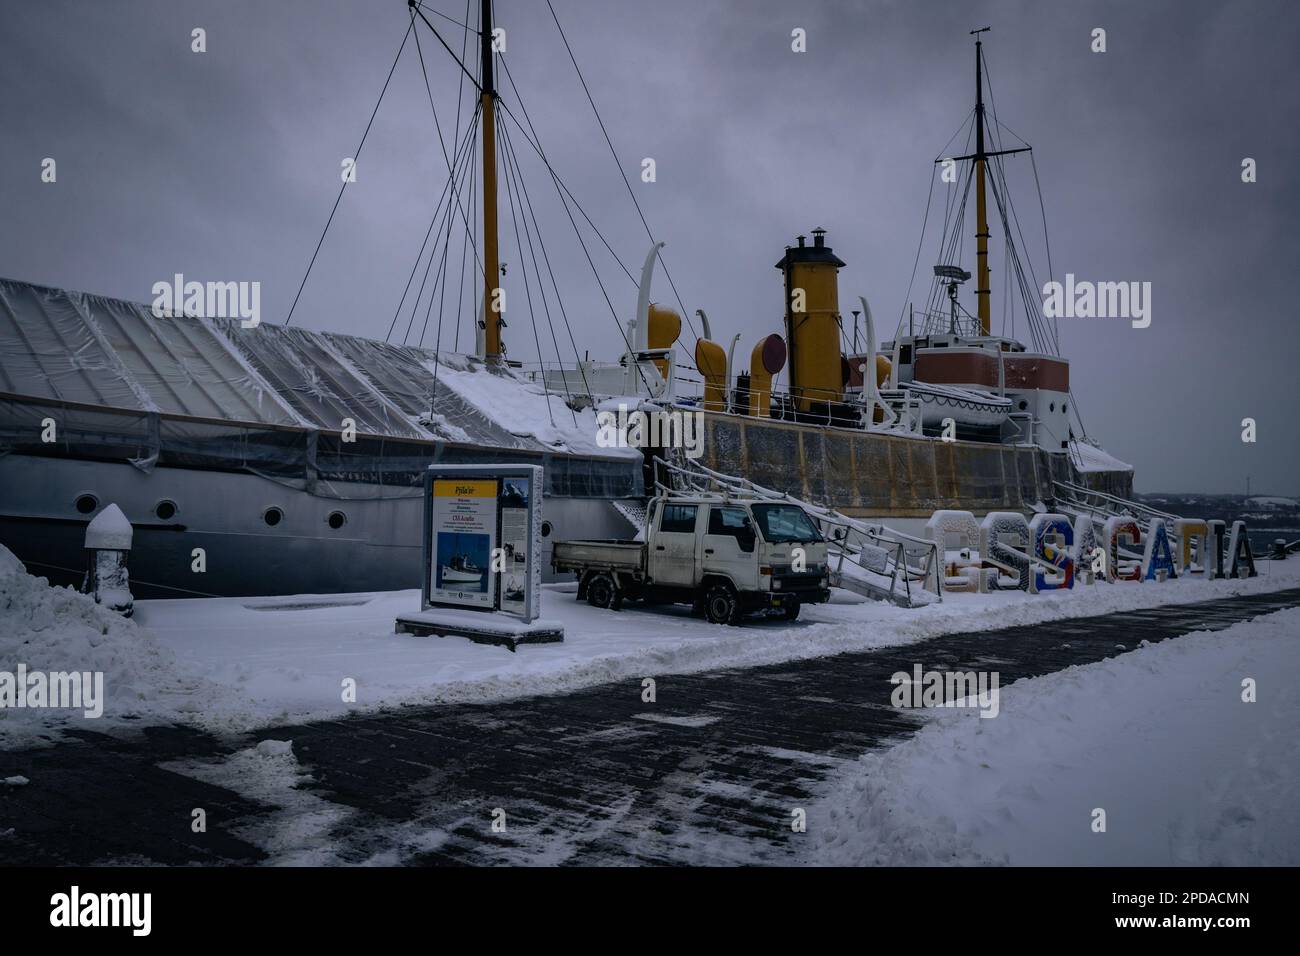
x: 955, y: 275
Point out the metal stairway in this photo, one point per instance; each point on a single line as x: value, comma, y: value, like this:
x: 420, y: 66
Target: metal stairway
x: 867, y: 558
x: 1100, y: 506
x: 1077, y: 501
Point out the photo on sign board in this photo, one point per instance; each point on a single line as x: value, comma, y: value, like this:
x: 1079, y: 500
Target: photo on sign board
x: 514, y: 494
x: 463, y: 561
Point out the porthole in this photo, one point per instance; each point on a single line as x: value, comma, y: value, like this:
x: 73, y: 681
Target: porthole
x: 546, y: 529
x: 86, y: 504
x: 336, y: 520
x: 272, y: 516
x: 165, y: 510
x: 1023, y: 404
x: 1063, y: 407
x: 1051, y: 407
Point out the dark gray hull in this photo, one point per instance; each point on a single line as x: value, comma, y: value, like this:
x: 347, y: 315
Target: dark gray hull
x: 376, y: 549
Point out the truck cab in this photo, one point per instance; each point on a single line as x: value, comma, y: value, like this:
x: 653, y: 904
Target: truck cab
x: 725, y: 557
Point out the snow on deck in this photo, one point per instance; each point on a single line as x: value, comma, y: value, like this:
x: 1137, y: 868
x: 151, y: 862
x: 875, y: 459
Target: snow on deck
x: 1187, y: 773
x: 523, y: 407
x: 1087, y: 457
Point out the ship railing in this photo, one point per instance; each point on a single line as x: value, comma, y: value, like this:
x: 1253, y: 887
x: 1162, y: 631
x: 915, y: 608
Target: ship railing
x: 934, y: 322
x: 1108, y: 504
x: 1099, y: 506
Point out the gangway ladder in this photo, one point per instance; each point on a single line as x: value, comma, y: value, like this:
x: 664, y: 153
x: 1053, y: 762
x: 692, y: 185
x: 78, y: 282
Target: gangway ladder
x: 868, y: 559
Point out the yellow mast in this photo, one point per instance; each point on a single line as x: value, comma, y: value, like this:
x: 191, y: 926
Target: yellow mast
x: 982, y: 272
x: 493, y: 298
x: 982, y: 250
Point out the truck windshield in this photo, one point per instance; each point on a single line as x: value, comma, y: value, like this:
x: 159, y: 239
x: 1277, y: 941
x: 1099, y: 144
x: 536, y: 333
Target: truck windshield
x: 782, y: 523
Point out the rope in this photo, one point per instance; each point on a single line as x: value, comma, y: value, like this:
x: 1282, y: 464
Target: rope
x: 512, y: 159
x: 355, y: 156
x: 621, y: 173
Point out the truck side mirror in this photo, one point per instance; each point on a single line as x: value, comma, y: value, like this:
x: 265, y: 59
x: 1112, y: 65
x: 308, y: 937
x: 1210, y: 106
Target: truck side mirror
x: 745, y: 537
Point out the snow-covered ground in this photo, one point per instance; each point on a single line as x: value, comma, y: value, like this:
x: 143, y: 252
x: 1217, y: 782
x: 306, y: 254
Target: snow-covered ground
x: 1187, y: 772
x: 232, y: 664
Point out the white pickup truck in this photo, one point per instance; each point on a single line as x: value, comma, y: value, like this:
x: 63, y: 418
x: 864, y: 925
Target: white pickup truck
x: 725, y: 558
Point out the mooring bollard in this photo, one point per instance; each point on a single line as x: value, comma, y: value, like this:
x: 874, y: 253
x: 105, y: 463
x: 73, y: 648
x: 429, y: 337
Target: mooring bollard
x: 1279, y: 549
x: 108, y: 545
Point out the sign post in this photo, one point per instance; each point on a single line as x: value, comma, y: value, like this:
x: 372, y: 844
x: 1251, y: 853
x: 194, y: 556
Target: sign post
x: 482, y: 574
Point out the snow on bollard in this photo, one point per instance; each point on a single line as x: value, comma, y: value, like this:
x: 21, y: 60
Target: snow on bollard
x: 108, y: 543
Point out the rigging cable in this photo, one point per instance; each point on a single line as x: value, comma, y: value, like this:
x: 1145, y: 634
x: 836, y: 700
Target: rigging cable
x: 438, y: 126
x: 415, y: 306
x: 355, y: 156
x: 437, y: 215
x: 562, y: 191
x: 659, y: 255
x: 513, y: 158
x: 534, y: 141
x: 519, y: 246
x: 440, y: 278
x: 442, y: 295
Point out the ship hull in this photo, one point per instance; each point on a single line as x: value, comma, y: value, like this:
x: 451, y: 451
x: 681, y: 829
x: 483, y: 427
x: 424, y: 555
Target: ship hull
x: 378, y: 548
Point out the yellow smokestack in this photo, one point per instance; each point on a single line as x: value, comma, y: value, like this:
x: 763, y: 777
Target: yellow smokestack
x: 812, y: 312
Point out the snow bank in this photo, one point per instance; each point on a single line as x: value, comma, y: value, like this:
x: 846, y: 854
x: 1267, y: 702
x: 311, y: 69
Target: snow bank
x: 235, y: 664
x: 1160, y: 738
x: 58, y: 629
x: 285, y: 659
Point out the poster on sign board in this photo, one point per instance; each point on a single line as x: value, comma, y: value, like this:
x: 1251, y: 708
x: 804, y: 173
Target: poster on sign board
x: 516, y: 536
x: 464, y: 528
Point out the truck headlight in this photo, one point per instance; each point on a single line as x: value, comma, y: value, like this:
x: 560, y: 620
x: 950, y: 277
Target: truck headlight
x: 776, y: 585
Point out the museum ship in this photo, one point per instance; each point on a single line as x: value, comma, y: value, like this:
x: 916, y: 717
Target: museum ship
x: 277, y: 460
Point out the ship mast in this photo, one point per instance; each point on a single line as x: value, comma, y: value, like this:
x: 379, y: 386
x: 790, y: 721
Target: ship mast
x: 982, y: 291
x: 492, y: 320
x: 981, y: 157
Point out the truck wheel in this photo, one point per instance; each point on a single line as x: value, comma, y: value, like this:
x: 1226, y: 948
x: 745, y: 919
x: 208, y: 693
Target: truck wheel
x: 601, y: 591
x: 790, y: 612
x: 720, y: 605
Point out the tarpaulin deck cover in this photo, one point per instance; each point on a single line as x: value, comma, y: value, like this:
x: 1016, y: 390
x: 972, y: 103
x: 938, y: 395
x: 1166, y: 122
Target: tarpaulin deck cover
x: 867, y: 473
x: 205, y: 392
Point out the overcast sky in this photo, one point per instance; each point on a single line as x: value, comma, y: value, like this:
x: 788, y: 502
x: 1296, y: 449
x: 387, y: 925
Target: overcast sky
x: 224, y: 165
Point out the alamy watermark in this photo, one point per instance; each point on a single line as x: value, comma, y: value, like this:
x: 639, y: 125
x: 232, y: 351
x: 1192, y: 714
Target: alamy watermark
x: 1098, y: 300
x: 923, y: 688
x: 68, y: 690
x: 209, y: 300
x: 659, y: 428
x: 133, y: 911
